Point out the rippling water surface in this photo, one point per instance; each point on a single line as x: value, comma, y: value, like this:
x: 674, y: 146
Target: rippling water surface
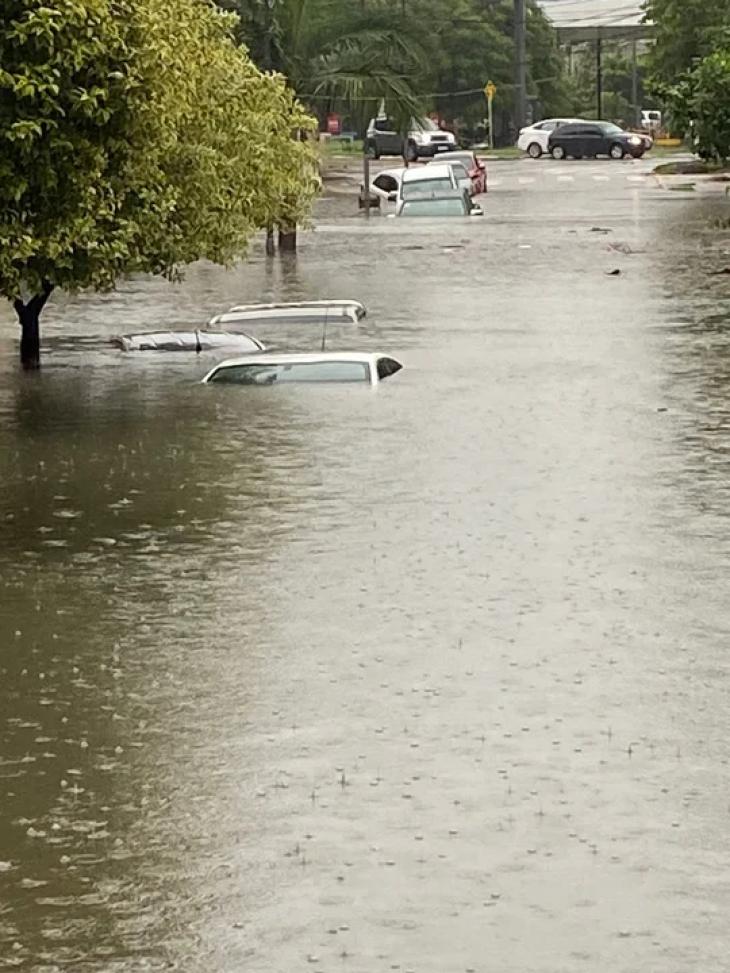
x: 433, y: 678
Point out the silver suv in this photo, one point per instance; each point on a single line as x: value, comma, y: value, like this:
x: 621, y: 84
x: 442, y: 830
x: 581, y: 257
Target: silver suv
x: 424, y: 139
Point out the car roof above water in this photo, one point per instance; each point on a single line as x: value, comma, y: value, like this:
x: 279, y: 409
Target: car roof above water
x: 292, y: 312
x: 301, y: 358
x: 431, y: 171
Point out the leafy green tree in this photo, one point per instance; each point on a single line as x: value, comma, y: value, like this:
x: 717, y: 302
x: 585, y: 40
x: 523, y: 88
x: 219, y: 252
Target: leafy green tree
x: 415, y: 54
x: 134, y: 137
x: 686, y: 32
x: 336, y: 54
x: 700, y: 104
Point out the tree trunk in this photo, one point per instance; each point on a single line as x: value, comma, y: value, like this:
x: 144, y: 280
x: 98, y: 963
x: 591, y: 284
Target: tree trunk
x: 30, y: 333
x: 270, y: 242
x: 288, y: 239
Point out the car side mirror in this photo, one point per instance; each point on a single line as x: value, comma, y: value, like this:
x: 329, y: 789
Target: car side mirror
x: 392, y: 197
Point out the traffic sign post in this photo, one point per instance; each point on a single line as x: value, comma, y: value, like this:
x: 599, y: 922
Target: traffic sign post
x: 490, y: 90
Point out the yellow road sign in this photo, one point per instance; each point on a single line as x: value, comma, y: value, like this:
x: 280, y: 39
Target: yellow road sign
x: 490, y: 90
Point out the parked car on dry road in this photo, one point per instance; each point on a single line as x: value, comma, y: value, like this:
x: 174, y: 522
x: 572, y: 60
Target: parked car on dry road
x: 423, y: 140
x: 581, y: 140
x: 533, y: 139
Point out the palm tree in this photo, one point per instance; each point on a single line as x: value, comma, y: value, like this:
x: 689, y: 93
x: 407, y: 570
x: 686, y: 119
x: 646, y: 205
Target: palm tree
x: 337, y: 54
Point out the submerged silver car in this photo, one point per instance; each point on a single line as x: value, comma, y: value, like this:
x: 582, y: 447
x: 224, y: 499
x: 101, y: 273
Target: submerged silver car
x: 187, y: 341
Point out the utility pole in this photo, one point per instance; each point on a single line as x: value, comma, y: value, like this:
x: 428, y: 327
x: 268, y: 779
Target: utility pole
x: 599, y: 77
x: 635, y: 84
x: 520, y: 64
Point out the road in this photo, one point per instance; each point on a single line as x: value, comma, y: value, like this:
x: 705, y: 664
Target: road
x: 432, y: 678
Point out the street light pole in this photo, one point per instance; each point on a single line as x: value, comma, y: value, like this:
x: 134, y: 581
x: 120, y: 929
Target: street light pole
x: 520, y: 64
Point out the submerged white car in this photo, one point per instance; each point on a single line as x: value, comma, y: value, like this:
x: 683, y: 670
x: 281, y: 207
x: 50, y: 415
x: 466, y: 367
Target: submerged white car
x: 430, y: 180
x: 291, y: 312
x: 325, y: 367
x: 534, y: 138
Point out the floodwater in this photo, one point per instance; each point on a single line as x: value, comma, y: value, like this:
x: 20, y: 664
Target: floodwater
x: 433, y: 678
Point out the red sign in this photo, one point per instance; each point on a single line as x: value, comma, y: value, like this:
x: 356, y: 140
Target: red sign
x: 334, y: 124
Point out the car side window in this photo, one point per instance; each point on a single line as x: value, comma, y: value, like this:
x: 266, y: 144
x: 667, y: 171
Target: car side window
x: 594, y: 131
x: 387, y: 367
x: 549, y: 126
x: 382, y: 125
x: 387, y: 183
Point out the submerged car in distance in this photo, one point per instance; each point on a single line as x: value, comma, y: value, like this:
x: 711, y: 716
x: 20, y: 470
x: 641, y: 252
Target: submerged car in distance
x: 187, y: 341
x: 325, y: 367
x: 425, y: 181
x: 580, y: 140
x: 291, y: 312
x: 385, y: 185
x: 476, y: 169
x: 447, y: 203
x: 461, y: 174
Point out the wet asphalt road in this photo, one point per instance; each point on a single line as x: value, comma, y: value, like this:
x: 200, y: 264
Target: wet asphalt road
x: 433, y: 678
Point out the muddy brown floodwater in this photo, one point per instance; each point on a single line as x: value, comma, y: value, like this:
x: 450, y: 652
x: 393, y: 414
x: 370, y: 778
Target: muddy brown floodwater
x: 434, y: 678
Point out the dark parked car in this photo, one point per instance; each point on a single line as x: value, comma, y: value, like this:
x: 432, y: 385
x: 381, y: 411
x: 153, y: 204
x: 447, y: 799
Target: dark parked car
x: 589, y: 139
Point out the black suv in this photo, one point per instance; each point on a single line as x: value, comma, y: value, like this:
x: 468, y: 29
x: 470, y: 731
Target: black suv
x: 589, y: 139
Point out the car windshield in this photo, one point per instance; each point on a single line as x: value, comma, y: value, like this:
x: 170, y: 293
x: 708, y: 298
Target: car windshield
x: 609, y: 128
x: 434, y: 207
x: 318, y: 371
x: 424, y: 187
x: 459, y: 171
x: 425, y: 125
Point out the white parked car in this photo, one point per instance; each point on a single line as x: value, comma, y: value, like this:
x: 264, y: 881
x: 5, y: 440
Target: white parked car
x: 651, y: 120
x: 325, y: 367
x: 294, y: 312
x: 534, y: 138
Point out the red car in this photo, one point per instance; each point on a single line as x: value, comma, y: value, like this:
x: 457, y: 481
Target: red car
x: 476, y: 169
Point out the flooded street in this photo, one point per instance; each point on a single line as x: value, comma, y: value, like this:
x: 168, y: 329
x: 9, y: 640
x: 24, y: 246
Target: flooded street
x: 432, y: 678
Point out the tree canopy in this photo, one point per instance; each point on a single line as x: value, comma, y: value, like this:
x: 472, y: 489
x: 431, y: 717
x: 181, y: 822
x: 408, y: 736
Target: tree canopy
x: 690, y: 63
x: 686, y: 31
x: 346, y: 55
x: 135, y: 136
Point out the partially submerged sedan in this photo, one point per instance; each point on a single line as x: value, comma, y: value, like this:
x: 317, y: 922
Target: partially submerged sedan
x: 187, y: 341
x: 475, y: 168
x: 456, y: 202
x: 292, y: 312
x: 325, y: 367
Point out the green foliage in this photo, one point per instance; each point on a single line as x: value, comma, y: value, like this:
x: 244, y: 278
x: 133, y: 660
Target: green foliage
x: 136, y: 137
x: 700, y: 103
x: 691, y: 70
x: 686, y: 32
x: 418, y: 55
x: 617, y: 97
